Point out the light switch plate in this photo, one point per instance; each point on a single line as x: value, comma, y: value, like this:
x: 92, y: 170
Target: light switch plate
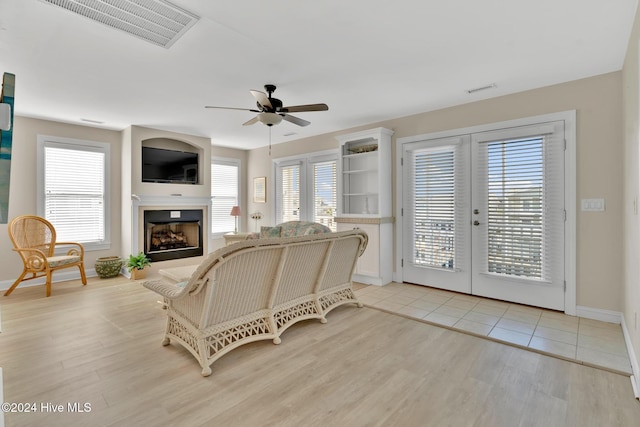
x: 593, y: 205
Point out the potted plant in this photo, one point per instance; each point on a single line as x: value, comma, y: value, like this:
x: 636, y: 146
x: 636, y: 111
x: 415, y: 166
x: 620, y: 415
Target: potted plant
x: 137, y: 266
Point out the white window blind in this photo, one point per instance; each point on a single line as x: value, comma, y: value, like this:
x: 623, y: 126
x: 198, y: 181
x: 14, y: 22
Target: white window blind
x: 437, y: 195
x: 224, y: 195
x: 515, y: 207
x: 74, y: 192
x: 524, y: 203
x: 324, y: 193
x: 306, y: 188
x: 288, y: 193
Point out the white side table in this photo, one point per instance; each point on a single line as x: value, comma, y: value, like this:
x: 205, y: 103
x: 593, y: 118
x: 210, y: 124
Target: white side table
x: 230, y: 238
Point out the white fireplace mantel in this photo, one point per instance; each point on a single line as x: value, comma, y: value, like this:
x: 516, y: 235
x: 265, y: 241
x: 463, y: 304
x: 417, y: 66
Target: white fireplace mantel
x: 175, y: 201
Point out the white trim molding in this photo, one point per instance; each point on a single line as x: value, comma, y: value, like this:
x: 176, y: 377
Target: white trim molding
x: 1, y: 399
x: 62, y: 276
x: 599, y: 314
x: 635, y: 369
x: 618, y: 318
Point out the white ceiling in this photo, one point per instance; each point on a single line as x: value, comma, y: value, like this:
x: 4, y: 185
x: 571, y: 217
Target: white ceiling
x: 369, y: 60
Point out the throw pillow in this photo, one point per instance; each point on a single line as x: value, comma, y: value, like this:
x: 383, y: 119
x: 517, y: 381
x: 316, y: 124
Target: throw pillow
x: 269, y: 232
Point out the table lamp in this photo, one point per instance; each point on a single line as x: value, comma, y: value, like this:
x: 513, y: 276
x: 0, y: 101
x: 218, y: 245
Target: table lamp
x: 235, y: 211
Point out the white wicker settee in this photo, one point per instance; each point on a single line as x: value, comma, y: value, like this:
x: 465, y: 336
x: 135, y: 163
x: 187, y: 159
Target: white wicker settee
x: 256, y: 289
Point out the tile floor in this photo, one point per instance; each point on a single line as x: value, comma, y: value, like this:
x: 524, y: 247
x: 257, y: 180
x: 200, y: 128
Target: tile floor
x: 588, y: 341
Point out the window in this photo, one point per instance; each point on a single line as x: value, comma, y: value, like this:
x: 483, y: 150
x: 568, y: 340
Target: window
x: 73, y: 194
x: 289, y: 193
x: 306, y: 189
x: 225, y: 194
x: 324, y: 193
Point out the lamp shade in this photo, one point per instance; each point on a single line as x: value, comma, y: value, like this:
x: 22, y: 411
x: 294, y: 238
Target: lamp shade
x: 235, y: 211
x: 269, y: 119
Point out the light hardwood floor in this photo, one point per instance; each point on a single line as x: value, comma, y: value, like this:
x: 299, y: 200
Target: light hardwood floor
x: 101, y: 344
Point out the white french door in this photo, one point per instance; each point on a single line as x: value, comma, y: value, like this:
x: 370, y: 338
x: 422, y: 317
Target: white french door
x: 484, y: 214
x: 436, y: 195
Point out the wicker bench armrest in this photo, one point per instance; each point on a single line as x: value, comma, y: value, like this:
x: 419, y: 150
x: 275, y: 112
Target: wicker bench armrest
x: 168, y: 290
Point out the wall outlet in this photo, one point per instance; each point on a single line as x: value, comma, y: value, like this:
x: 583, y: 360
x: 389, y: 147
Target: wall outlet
x: 592, y: 205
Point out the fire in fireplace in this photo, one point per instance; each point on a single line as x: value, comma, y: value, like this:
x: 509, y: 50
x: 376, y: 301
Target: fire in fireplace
x: 173, y: 234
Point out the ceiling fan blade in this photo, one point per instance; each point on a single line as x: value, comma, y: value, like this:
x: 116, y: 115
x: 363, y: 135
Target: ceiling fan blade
x: 262, y: 98
x: 250, y: 122
x: 232, y: 108
x: 295, y: 120
x: 303, y: 108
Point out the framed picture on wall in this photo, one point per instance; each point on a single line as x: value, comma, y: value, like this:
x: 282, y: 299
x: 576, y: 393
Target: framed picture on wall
x: 260, y: 189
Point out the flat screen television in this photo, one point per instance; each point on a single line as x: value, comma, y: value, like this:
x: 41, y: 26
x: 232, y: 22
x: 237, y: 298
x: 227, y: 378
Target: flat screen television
x: 169, y: 166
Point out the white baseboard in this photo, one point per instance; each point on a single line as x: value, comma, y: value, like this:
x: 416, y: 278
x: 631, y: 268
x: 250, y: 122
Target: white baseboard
x: 599, y: 314
x: 368, y: 280
x: 635, y: 369
x: 616, y: 317
x: 58, y: 276
x: 1, y: 400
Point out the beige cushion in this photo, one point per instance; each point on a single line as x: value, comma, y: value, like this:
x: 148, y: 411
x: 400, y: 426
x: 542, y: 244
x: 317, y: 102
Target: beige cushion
x: 270, y: 232
x: 57, y: 261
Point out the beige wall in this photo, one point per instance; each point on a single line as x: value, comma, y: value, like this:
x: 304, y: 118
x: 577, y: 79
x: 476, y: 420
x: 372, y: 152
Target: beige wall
x: 631, y: 108
x: 598, y: 105
x: 22, y: 196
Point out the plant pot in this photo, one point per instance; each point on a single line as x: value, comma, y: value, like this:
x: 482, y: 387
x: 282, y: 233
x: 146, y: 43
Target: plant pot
x: 138, y: 274
x: 108, y: 266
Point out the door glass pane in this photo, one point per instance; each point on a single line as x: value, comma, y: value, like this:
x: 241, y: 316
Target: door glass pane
x: 434, y: 208
x: 515, y: 207
x: 290, y: 193
x: 324, y: 193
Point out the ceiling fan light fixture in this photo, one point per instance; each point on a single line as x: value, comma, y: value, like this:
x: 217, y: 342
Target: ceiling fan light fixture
x: 269, y: 119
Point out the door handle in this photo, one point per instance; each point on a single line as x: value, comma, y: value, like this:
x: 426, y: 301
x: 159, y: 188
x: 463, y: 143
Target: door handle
x: 476, y: 222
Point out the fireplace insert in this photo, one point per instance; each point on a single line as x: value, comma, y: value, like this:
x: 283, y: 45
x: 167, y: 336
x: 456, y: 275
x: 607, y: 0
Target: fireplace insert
x: 173, y: 234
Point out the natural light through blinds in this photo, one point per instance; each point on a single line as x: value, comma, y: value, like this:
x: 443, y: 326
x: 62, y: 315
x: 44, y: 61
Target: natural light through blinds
x: 224, y: 196
x: 75, y: 193
x: 434, y: 214
x: 290, y: 193
x: 324, y: 193
x: 515, y: 207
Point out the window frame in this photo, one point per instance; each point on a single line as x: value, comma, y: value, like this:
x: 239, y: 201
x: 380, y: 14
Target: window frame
x: 44, y: 141
x: 306, y: 162
x: 226, y: 161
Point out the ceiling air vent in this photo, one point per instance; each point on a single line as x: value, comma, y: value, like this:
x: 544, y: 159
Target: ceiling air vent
x: 156, y: 21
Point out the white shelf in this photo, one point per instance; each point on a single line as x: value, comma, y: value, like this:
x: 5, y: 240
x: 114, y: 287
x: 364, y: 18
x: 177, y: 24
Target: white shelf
x: 360, y: 155
x: 364, y: 181
x: 364, y: 196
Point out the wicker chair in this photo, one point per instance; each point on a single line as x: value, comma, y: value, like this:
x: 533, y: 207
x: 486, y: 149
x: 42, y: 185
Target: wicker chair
x: 34, y: 238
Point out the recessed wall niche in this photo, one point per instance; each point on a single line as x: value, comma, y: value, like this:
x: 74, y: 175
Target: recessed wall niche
x: 171, y: 161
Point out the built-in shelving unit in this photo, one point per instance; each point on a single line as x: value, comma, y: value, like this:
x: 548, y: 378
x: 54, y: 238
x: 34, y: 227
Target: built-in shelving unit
x: 364, y: 199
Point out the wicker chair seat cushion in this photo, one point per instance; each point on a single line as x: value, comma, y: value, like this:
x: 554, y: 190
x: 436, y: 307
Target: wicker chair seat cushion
x: 57, y: 261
